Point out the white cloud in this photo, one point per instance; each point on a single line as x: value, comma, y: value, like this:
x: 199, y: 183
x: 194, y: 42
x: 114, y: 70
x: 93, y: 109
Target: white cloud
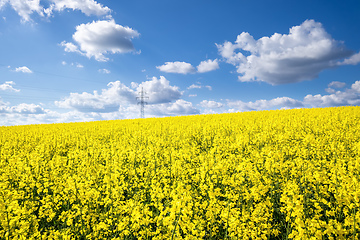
x: 160, y: 91
x: 192, y: 95
x: 119, y: 102
x: 98, y: 38
x: 199, y: 86
x: 284, y: 58
x: 333, y: 100
x: 353, y: 60
x: 69, y: 47
x: 104, y: 70
x: 23, y: 69
x: 134, y: 85
x: 192, y: 86
x: 36, y: 115
x: 8, y: 86
x: 25, y: 8
x: 78, y: 65
x: 118, y: 94
x: 186, y: 68
x: 88, y: 7
x: 210, y: 104
x: 356, y: 86
x: 346, y: 97
x: 280, y: 102
x: 337, y: 84
x: 334, y: 84
x: 177, y: 67
x: 337, y: 98
x: 109, y: 100
x: 22, y: 108
x: 330, y: 90
x: 207, y: 66
x: 63, y: 63
x: 179, y: 107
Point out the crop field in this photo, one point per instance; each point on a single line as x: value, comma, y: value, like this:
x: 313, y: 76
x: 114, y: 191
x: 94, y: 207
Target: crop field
x: 286, y: 174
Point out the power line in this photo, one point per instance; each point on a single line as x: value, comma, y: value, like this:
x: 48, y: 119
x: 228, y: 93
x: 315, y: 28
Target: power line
x: 142, y: 103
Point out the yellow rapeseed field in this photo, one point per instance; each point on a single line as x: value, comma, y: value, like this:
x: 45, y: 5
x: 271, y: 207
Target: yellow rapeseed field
x: 286, y: 174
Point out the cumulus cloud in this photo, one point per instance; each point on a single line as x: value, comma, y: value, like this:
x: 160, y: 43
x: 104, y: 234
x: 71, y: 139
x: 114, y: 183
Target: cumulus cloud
x: 337, y: 98
x: 120, y: 101
x: 88, y: 7
x: 330, y: 90
x: 22, y: 108
x: 276, y: 103
x: 8, y: 86
x: 177, y: 67
x: 356, y: 86
x: 102, y: 106
x: 179, y: 107
x: 344, y: 97
x: 69, y: 47
x: 109, y: 100
x: 25, y: 8
x: 333, y: 100
x: 186, y: 68
x: 101, y: 37
x: 117, y: 101
x: 353, y: 60
x: 23, y: 69
x: 160, y: 91
x: 207, y: 66
x: 334, y: 84
x: 210, y: 104
x: 285, y: 58
x: 337, y: 84
x: 34, y: 114
x: 18, y: 115
x: 118, y: 95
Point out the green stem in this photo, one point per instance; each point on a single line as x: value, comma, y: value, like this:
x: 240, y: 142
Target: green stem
x: 227, y: 220
x: 176, y: 223
x: 354, y: 232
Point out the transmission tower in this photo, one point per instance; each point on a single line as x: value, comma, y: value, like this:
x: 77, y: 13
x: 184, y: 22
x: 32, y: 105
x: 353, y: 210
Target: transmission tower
x: 142, y: 102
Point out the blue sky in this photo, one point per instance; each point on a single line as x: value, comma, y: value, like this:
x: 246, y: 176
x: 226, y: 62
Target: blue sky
x: 87, y: 60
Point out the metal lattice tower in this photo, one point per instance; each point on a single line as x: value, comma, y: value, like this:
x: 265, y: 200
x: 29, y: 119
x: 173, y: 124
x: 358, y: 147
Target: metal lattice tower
x: 142, y: 102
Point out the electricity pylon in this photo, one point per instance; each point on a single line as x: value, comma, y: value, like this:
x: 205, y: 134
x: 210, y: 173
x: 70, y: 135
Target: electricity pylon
x: 142, y: 103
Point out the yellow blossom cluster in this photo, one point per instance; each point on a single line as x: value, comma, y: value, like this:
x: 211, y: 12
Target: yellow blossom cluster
x: 285, y: 174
